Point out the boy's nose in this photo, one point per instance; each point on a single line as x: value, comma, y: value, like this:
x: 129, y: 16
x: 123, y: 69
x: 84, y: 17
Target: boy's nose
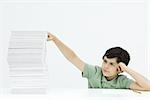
x: 106, y: 66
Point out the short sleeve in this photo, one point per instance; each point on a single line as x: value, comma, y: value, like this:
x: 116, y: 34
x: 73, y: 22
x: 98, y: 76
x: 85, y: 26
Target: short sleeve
x: 88, y: 71
x: 124, y: 82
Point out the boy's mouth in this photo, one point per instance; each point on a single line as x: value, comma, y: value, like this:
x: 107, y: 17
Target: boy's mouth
x: 106, y: 71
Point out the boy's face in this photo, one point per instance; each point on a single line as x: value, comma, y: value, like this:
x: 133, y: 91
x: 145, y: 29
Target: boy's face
x: 109, y: 67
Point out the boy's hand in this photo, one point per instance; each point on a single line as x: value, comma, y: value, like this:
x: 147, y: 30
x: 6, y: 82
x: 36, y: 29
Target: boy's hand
x: 122, y: 67
x: 50, y: 37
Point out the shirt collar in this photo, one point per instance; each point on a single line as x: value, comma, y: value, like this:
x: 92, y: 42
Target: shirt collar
x: 111, y: 81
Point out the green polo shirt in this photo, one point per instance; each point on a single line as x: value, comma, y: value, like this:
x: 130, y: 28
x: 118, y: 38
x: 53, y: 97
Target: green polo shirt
x: 97, y: 80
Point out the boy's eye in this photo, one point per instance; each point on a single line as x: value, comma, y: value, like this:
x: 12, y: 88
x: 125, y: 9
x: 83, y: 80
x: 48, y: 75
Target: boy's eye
x: 105, y: 61
x: 112, y: 64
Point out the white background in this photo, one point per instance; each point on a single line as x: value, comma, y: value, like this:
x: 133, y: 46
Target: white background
x: 89, y: 28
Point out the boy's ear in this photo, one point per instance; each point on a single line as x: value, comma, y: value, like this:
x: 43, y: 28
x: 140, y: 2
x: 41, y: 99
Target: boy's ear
x: 119, y: 70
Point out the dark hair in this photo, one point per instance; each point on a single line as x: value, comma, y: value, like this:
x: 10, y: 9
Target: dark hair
x: 119, y: 53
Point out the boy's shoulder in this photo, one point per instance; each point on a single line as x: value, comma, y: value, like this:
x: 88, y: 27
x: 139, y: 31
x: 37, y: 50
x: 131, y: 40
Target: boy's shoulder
x: 124, y: 81
x: 92, y: 67
x: 91, y: 70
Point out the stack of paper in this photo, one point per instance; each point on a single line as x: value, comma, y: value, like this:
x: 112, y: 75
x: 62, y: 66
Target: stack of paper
x: 26, y: 59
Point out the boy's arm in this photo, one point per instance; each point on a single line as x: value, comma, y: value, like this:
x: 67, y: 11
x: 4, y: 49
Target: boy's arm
x: 141, y: 83
x: 67, y: 52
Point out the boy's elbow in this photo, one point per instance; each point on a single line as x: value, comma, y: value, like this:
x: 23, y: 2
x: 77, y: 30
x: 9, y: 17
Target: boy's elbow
x: 146, y: 87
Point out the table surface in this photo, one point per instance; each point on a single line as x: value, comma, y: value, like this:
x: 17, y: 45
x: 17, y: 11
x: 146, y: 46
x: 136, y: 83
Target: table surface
x: 81, y: 94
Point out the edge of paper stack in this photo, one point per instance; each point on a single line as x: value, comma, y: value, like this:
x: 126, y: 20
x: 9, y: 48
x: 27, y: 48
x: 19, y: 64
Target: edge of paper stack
x: 28, y: 72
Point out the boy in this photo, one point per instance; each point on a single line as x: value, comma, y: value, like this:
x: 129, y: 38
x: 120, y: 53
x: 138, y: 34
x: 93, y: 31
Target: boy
x: 115, y: 61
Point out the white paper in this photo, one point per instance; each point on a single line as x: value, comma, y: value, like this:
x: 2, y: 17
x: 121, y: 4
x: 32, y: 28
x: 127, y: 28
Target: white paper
x: 26, y: 59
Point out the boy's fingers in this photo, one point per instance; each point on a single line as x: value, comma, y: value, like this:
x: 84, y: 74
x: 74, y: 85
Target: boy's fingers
x: 120, y: 68
x: 50, y: 36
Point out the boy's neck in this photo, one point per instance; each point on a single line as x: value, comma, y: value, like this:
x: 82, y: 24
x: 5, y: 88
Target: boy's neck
x: 111, y: 77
